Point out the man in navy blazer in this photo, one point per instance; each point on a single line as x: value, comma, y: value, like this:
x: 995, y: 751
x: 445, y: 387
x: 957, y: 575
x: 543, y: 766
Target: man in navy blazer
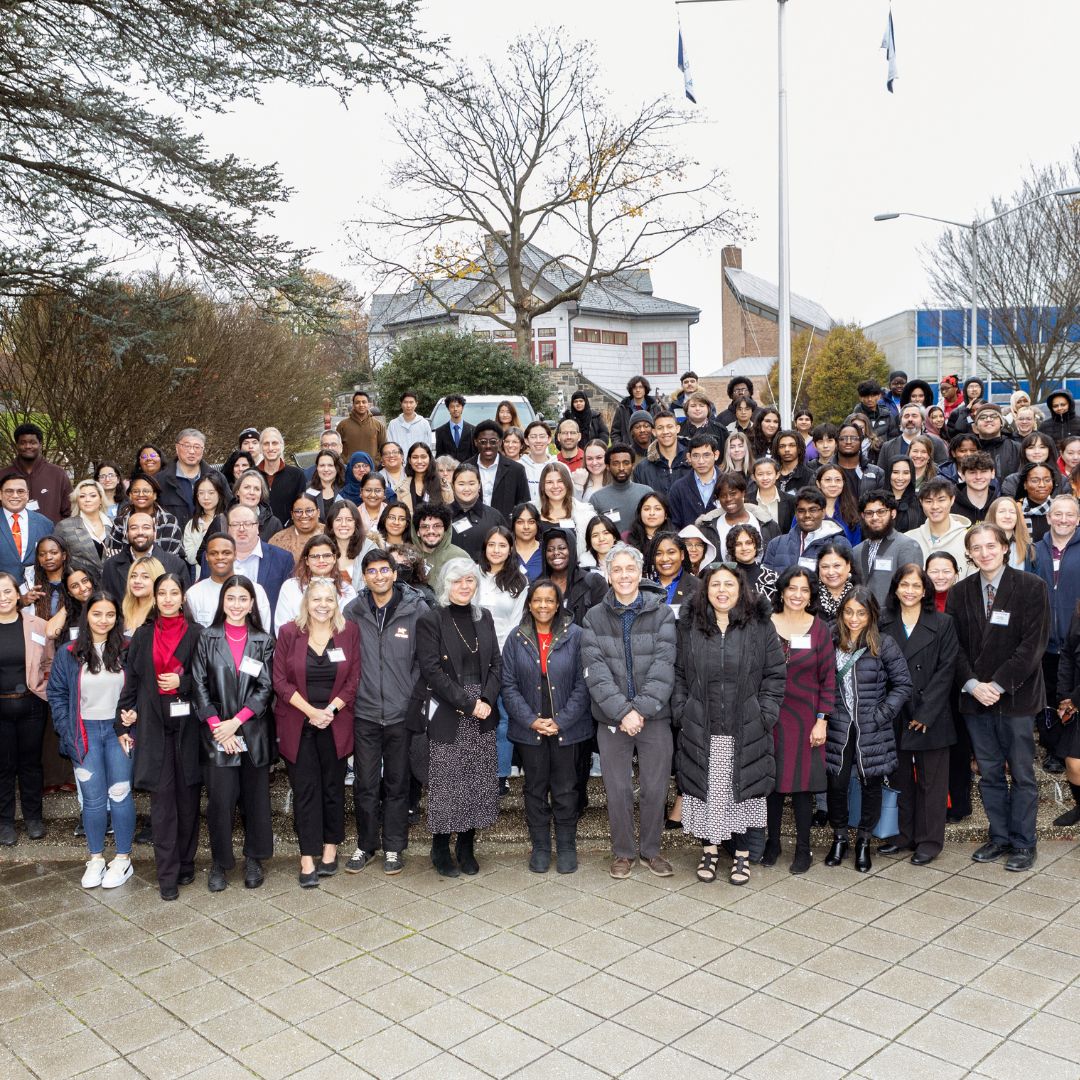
x: 460, y: 448
x: 264, y: 564
x: 31, y: 526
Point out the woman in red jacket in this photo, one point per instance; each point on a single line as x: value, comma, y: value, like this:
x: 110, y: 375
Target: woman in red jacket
x: 316, y: 669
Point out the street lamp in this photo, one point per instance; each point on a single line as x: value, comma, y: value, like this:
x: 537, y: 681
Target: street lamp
x: 974, y: 227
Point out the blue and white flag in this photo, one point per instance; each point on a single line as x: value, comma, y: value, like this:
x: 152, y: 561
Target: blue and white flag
x: 684, y: 67
x: 888, y: 43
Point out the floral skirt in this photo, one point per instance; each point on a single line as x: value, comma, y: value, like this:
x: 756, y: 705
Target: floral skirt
x: 720, y: 817
x: 463, y: 783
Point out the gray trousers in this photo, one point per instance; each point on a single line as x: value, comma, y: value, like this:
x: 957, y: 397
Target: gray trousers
x: 654, y: 771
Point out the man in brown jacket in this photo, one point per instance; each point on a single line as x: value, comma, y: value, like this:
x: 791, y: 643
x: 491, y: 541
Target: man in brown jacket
x: 360, y: 430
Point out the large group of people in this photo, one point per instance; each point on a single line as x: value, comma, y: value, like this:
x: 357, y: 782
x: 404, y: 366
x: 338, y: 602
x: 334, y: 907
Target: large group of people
x: 812, y: 615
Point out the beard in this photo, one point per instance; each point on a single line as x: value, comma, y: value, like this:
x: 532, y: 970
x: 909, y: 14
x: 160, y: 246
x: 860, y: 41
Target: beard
x: 876, y: 532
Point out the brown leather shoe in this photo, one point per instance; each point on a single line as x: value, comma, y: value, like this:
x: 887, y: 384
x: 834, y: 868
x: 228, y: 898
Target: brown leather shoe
x: 621, y: 868
x: 659, y: 866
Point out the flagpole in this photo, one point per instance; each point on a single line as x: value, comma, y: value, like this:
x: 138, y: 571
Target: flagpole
x: 783, y: 312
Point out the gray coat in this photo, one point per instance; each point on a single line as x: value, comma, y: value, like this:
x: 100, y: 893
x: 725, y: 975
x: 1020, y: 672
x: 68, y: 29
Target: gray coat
x: 895, y: 550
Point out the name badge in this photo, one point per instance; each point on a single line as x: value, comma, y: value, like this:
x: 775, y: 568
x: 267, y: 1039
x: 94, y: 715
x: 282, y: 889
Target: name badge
x: 250, y: 666
x: 337, y: 656
x: 675, y: 609
x: 883, y: 564
x: 566, y: 523
x: 128, y: 633
x: 808, y: 564
x: 241, y: 744
x: 432, y: 708
x: 462, y: 525
x: 33, y: 505
x: 800, y: 641
x: 38, y: 639
x: 999, y: 618
x: 179, y: 708
x: 613, y: 516
x: 313, y: 492
x: 73, y: 633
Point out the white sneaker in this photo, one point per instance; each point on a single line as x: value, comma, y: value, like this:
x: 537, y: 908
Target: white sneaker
x: 120, y: 869
x: 94, y: 872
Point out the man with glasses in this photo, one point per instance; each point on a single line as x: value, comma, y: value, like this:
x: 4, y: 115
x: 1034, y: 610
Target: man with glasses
x: 849, y: 456
x: 386, y: 614
x: 432, y: 526
x: 270, y: 566
x: 800, y: 545
x: 503, y: 482
x: 201, y: 599
x: 943, y: 530
x: 20, y: 527
x: 883, y: 549
x: 179, y: 479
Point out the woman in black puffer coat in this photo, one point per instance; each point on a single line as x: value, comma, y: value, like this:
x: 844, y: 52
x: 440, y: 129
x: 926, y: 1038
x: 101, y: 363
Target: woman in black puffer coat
x: 729, y: 684
x: 872, y: 685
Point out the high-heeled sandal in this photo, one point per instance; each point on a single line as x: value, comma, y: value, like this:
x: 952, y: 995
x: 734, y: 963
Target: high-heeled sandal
x: 740, y: 868
x: 706, y: 868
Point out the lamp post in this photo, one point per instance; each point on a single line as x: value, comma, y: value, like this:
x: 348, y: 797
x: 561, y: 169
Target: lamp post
x: 973, y: 227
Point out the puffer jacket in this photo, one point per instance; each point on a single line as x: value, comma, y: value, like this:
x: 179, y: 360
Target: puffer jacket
x: 1059, y: 427
x: 652, y: 644
x: 881, y: 688
x: 654, y: 470
x: 620, y: 422
x: 522, y: 685
x: 758, y: 697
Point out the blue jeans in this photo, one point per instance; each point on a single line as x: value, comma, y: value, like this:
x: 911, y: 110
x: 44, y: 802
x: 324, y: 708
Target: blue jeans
x: 1011, y: 808
x: 504, y: 748
x: 104, y: 778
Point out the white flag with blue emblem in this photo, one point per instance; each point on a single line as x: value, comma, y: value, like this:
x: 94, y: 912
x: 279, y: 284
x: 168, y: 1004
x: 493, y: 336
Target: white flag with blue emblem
x: 888, y: 43
x: 684, y: 67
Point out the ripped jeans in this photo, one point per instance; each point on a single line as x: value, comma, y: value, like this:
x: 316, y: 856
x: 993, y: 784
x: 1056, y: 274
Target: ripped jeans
x: 104, y: 777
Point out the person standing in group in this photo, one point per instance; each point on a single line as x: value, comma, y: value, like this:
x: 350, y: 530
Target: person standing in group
x: 1002, y: 621
x: 25, y: 659
x: 455, y: 437
x: 883, y: 549
x: 472, y: 519
x: 460, y: 663
x: 409, y: 426
x: 316, y: 668
x: 503, y: 482
x: 48, y: 486
x: 286, y: 482
x: 729, y: 686
x: 809, y: 698
x: 873, y: 685
x: 231, y: 688
x: 319, y: 559
x: 628, y: 652
x: 547, y: 699
x: 21, y: 527
x: 84, y: 689
x: 361, y: 429
x: 924, y: 727
x: 618, y: 501
x: 143, y: 496
x: 156, y: 713
x: 87, y: 529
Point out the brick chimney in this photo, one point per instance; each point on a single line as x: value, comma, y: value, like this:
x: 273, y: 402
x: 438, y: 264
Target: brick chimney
x: 731, y: 256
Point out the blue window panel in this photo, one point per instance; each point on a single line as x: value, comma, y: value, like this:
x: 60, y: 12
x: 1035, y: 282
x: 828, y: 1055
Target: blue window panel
x: 954, y: 326
x: 926, y: 328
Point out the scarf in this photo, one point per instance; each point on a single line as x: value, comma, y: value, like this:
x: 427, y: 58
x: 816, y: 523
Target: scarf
x: 1031, y: 509
x: 168, y: 633
x: 829, y: 604
x: 628, y: 613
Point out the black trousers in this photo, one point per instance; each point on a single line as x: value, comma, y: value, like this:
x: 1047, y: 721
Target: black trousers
x: 802, y: 805
x: 922, y: 781
x: 381, y: 779
x: 551, y: 784
x: 837, y: 795
x: 318, y: 785
x: 1048, y: 738
x: 22, y: 731
x: 225, y: 786
x: 174, y: 816
x: 960, y: 769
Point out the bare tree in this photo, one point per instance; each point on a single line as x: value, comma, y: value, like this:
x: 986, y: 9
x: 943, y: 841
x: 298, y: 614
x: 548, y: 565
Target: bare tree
x: 1029, y: 281
x: 529, y: 154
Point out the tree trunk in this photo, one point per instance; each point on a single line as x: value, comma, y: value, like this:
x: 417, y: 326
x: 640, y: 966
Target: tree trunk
x: 523, y: 335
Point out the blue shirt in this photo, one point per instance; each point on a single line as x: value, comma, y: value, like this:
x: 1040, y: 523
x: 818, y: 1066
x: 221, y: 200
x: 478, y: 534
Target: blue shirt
x: 705, y: 491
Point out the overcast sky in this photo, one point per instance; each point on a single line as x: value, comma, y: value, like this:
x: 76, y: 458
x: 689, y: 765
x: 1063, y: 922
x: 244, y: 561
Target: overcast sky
x: 986, y: 89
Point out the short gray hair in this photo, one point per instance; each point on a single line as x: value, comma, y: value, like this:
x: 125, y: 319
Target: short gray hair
x: 914, y: 405
x: 624, y: 549
x: 191, y: 433
x: 1066, y: 497
x: 452, y: 571
x: 266, y: 431
x: 258, y: 476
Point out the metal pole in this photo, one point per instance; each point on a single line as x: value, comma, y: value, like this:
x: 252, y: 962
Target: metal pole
x: 975, y: 304
x: 783, y: 314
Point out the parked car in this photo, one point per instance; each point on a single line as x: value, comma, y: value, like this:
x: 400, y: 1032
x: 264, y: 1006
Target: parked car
x: 482, y: 407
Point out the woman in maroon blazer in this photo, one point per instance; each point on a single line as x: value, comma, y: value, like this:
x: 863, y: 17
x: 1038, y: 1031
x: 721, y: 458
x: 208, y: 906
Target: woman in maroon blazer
x: 316, y: 669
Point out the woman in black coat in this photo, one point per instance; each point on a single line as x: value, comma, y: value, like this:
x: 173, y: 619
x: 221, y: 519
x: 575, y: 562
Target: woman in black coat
x: 460, y: 663
x: 472, y: 520
x: 872, y: 686
x: 589, y: 421
x: 155, y: 710
x: 729, y: 684
x: 231, y: 680
x: 924, y: 726
x: 581, y: 589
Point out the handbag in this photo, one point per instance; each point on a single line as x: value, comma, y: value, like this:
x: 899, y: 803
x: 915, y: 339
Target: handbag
x: 888, y: 823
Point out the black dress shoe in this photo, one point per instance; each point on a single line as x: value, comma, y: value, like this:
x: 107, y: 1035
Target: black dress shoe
x: 309, y: 881
x: 1022, y: 858
x: 35, y: 829
x: 990, y: 851
x: 253, y: 873
x: 891, y: 849
x: 78, y: 831
x: 218, y: 879
x: 169, y: 892
x: 143, y: 836
x: 920, y: 858
x: 327, y: 869
x: 838, y: 851
x: 186, y: 877
x: 862, y: 855
x: 7, y: 834
x: 1053, y: 764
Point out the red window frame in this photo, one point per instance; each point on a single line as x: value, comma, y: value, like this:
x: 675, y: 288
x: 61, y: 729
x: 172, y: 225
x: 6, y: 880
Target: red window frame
x: 659, y: 364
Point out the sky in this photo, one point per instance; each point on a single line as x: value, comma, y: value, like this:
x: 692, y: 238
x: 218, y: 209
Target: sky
x: 986, y: 91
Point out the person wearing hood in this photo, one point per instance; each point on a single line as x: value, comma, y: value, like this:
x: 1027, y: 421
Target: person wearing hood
x: 811, y: 531
x: 917, y: 392
x: 1018, y: 400
x: 942, y: 530
x: 665, y: 462
x: 1063, y: 420
x: 883, y: 549
x: 1004, y: 449
x: 881, y: 418
x: 434, y: 538
x: 589, y: 421
x: 893, y: 393
x: 361, y: 429
x: 961, y: 420
x: 699, y: 548
x: 638, y: 399
x: 581, y: 590
x: 738, y: 388
x: 354, y: 477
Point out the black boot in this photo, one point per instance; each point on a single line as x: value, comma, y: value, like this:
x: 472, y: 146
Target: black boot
x: 1070, y: 817
x: 464, y: 850
x: 441, y: 858
x: 775, y: 809
x: 803, y: 807
x: 862, y: 854
x: 540, y: 856
x: 566, y: 849
x: 838, y: 851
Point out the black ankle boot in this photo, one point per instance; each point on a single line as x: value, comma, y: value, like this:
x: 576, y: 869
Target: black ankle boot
x: 441, y: 858
x: 771, y: 852
x: 1070, y: 817
x: 466, y: 859
x: 838, y: 851
x: 862, y: 854
x: 566, y: 849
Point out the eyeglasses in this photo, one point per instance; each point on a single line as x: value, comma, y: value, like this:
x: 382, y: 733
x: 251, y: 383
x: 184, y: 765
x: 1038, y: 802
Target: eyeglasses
x: 311, y: 511
x: 319, y: 555
x: 149, y: 456
x: 190, y: 445
x: 876, y: 513
x: 243, y: 526
x: 378, y: 571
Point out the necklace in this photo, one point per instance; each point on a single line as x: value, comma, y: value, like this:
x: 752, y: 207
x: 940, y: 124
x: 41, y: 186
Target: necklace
x: 474, y: 649
x: 235, y: 640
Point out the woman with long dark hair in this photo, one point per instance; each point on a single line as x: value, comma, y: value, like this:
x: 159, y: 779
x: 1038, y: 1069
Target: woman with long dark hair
x: 766, y: 424
x: 345, y: 527
x: 395, y: 525
x: 156, y: 713
x: 84, y: 692
x: 149, y: 461
x: 45, y: 583
x: 651, y: 516
x: 743, y: 548
x: 326, y: 481
x: 143, y: 495
x: 601, y: 535
x: 212, y: 500
x: 901, y: 478
x: 108, y: 475
x: 525, y: 525
x: 841, y: 502
x: 231, y: 689
x: 667, y: 563
x: 423, y: 473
